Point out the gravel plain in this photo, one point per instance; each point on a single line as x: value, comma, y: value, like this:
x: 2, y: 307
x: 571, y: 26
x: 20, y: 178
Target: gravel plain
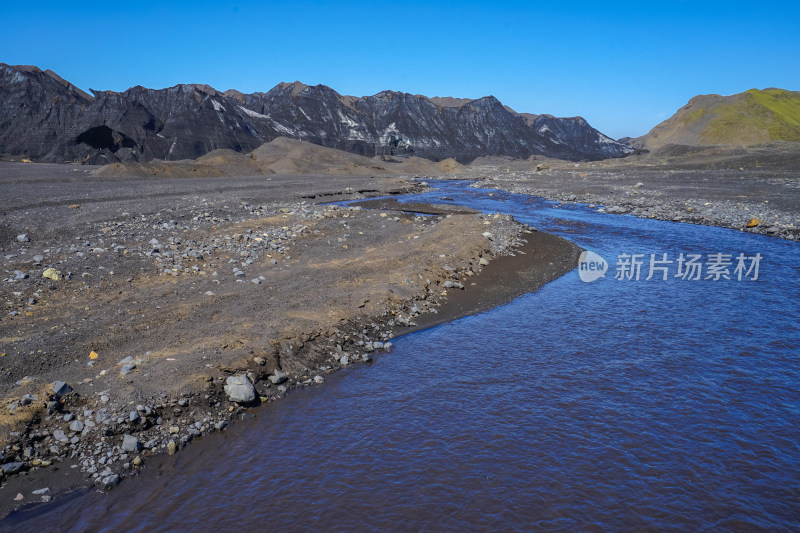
x: 755, y: 190
x: 140, y: 314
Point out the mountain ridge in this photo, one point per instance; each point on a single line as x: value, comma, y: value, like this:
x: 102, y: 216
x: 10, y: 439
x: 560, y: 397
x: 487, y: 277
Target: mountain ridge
x: 44, y: 117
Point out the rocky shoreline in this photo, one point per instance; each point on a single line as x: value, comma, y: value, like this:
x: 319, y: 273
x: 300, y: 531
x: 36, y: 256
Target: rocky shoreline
x: 763, y: 201
x: 133, y: 329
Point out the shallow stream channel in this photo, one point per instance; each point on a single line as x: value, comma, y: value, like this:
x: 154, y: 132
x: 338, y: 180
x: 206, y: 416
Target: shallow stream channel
x: 668, y: 403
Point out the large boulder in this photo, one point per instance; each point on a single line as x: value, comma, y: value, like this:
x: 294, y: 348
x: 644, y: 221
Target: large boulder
x: 130, y: 443
x: 239, y: 389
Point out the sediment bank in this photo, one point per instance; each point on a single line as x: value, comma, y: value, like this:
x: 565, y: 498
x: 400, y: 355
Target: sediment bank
x: 755, y: 200
x: 157, y: 294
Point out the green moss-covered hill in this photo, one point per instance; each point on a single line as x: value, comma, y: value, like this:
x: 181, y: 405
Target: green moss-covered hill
x: 752, y: 117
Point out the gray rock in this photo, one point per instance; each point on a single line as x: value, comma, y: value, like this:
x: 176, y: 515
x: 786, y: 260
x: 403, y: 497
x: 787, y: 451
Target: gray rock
x: 23, y: 238
x: 134, y: 416
x: 39, y: 492
x: 19, y: 275
x: 27, y: 399
x: 12, y: 468
x: 345, y: 360
x: 68, y: 417
x: 130, y: 444
x: 61, y: 389
x: 278, y: 377
x: 110, y: 481
x: 239, y: 389
x: 127, y: 369
x: 76, y: 426
x: 60, y: 436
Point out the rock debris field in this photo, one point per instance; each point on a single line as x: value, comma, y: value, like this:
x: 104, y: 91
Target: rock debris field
x: 141, y: 314
x: 757, y: 190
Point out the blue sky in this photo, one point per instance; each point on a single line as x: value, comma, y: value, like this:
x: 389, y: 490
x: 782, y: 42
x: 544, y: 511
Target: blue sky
x: 624, y: 66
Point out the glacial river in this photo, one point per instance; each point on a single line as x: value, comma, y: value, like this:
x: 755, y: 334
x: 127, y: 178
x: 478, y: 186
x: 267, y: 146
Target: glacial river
x: 619, y: 404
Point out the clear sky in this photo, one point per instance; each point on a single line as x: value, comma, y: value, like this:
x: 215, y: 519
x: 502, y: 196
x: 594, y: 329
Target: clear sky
x: 624, y: 66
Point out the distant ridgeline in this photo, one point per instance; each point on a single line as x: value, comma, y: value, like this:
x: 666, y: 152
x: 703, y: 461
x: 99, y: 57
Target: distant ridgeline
x: 46, y: 118
x: 748, y: 118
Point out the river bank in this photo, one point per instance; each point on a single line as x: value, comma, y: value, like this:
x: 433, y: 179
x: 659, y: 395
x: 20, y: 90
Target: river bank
x: 750, y: 193
x: 142, y: 314
x: 619, y: 404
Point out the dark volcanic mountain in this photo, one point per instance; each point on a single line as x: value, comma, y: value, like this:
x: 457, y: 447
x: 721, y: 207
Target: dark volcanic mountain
x: 44, y: 117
